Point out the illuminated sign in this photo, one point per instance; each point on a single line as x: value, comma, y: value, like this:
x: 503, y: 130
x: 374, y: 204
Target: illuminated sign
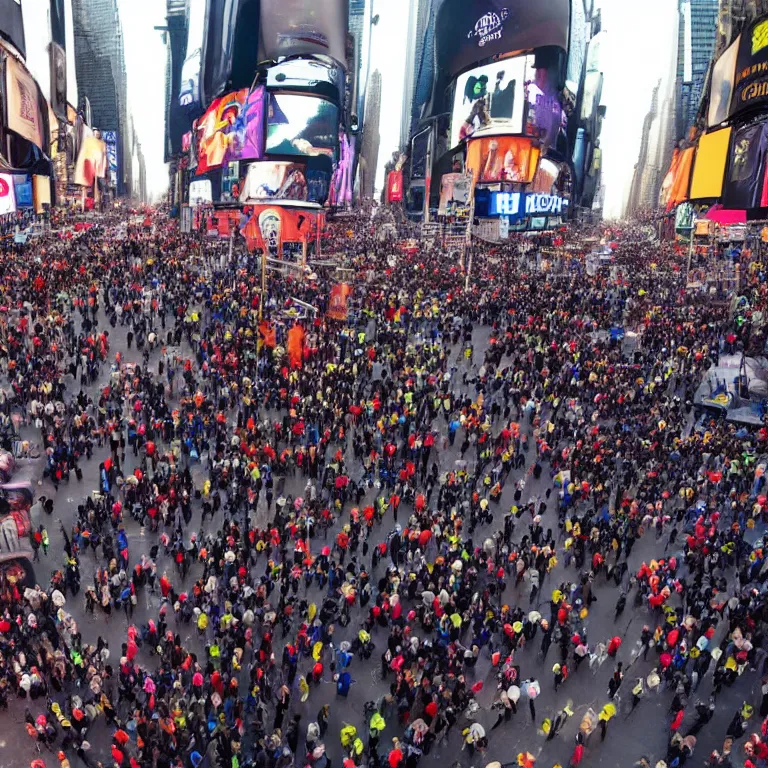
x: 545, y: 204
x: 517, y: 204
x: 489, y: 27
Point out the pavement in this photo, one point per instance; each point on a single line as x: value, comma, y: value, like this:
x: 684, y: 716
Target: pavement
x: 644, y: 732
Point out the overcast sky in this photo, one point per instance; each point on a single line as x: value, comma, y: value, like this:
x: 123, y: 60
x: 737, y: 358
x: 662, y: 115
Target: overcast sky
x: 631, y: 69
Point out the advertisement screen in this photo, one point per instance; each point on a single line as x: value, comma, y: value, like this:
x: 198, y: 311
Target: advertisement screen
x: 751, y: 87
x: 23, y: 192
x: 91, y: 162
x: 301, y: 125
x: 674, y: 189
x: 709, y: 169
x: 455, y: 191
x: 721, y: 92
x: 7, y: 194
x: 275, y: 180
x: 502, y: 159
x: 218, y: 48
x: 295, y: 27
x: 745, y: 185
x: 12, y: 24
x: 419, y: 150
x: 189, y: 95
x: 489, y: 97
x: 545, y: 180
x: 468, y: 33
x: 200, y: 192
x: 110, y: 139
x: 231, y: 129
x: 306, y: 75
x: 24, y: 115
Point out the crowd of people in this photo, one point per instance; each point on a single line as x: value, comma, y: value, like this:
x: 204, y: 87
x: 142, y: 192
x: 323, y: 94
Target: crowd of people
x: 415, y: 524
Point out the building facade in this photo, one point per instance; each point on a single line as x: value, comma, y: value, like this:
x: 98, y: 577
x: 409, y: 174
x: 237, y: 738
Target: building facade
x: 369, y: 155
x: 697, y: 32
x: 418, y: 19
x: 639, y: 190
x: 101, y: 76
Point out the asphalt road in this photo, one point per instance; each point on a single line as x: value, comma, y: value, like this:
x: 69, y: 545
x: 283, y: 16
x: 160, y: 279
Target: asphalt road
x: 645, y: 732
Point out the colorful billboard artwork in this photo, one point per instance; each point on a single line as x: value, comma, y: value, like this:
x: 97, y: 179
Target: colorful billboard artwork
x: 12, y: 25
x: 545, y: 116
x: 502, y: 159
x: 24, y: 116
x: 7, y: 194
x: 110, y: 139
x: 721, y: 90
x: 455, y: 192
x: 341, y: 182
x: 466, y: 33
x: 301, y: 125
x: 709, y: 169
x: 298, y: 27
x: 91, y: 162
x: 489, y: 97
x: 232, y: 128
x: 275, y: 180
x: 746, y: 184
x: 681, y: 176
x: 395, y: 186
x: 751, y: 87
x: 186, y: 141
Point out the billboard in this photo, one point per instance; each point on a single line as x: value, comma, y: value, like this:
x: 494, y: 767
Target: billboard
x: 189, y: 95
x: 58, y: 64
x: 674, y: 188
x: 308, y: 76
x: 489, y: 98
x: 232, y: 128
x: 110, y: 139
x: 91, y: 162
x: 200, y: 192
x: 455, y: 192
x: 395, y: 187
x: 721, y: 89
x: 7, y: 194
x: 745, y: 185
x: 296, y: 27
x: 468, y: 33
x: 301, y: 125
x: 12, y: 25
x: 751, y: 86
x: 24, y: 116
x: 546, y: 178
x: 709, y: 169
x: 502, y: 159
x: 275, y: 180
x: 218, y: 48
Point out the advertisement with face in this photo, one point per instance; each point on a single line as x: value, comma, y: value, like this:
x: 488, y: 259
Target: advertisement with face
x: 301, y: 125
x: 746, y: 184
x: 489, y: 97
x: 455, y: 192
x: 751, y: 87
x: 231, y: 129
x: 275, y: 180
x: 545, y: 115
x: 502, y: 159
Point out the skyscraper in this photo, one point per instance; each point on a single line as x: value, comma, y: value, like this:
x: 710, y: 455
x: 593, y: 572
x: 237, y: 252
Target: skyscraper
x: 357, y: 21
x: 695, y: 46
x: 418, y: 18
x: 369, y: 155
x: 639, y: 181
x: 101, y: 76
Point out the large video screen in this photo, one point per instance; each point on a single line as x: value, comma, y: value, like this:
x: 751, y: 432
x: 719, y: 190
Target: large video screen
x: 302, y: 125
x: 502, y: 159
x: 231, y: 129
x: 490, y: 97
x: 275, y: 180
x: 306, y: 75
x: 468, y: 33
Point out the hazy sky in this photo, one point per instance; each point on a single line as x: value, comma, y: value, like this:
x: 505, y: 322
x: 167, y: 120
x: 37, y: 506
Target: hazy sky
x: 145, y: 57
x: 631, y: 67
